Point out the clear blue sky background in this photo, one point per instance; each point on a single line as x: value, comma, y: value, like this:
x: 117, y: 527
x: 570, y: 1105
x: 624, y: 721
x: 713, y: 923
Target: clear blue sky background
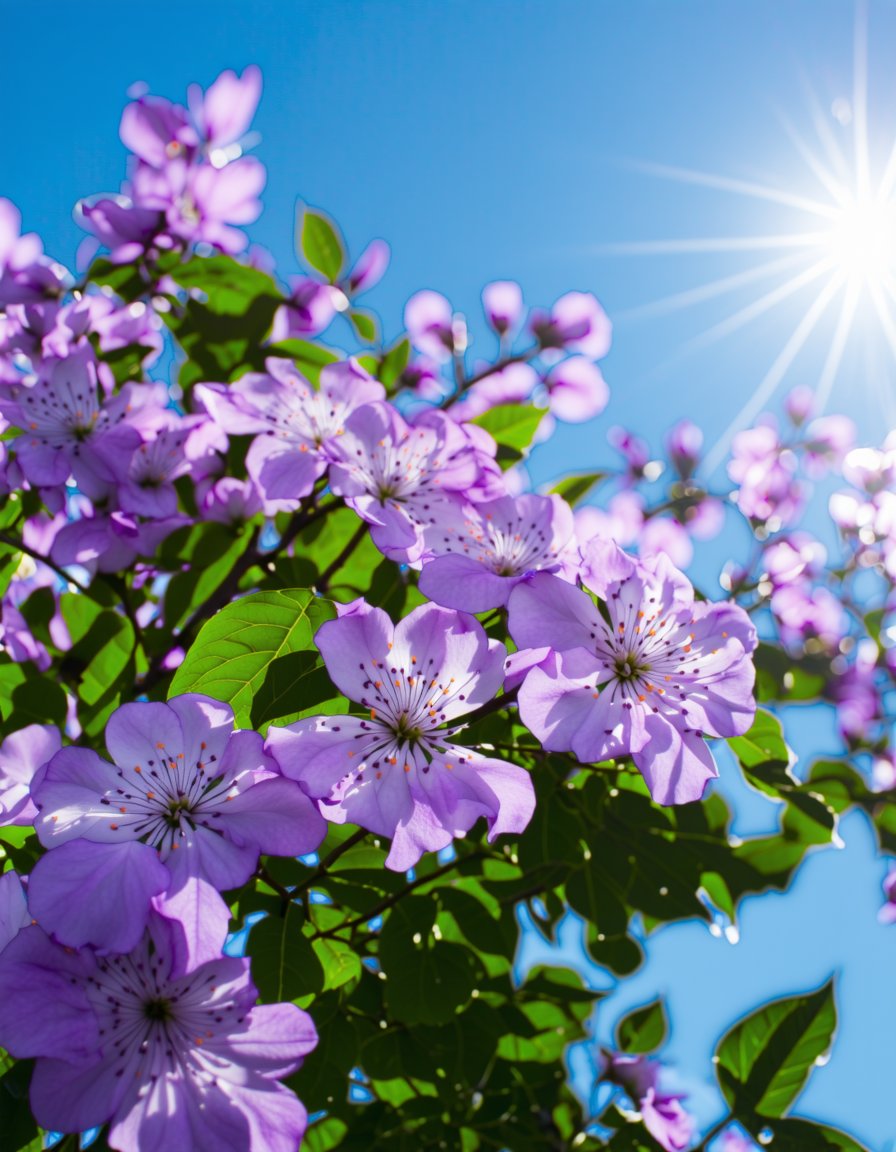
x: 503, y: 139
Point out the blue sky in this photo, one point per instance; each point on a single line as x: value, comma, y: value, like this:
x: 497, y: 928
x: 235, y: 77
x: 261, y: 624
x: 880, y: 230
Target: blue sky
x: 509, y: 139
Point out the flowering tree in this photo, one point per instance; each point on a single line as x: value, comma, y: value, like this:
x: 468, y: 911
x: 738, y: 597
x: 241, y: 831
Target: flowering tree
x: 304, y: 695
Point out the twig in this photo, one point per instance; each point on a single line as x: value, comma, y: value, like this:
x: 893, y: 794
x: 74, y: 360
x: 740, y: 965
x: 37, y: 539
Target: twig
x: 19, y: 546
x: 323, y: 581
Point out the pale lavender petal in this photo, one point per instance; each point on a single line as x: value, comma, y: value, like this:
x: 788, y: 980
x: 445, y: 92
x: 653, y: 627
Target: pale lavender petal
x: 69, y: 1097
x: 555, y: 699
x: 276, y: 816
x: 548, y: 612
x: 22, y: 754
x: 676, y: 765
x: 502, y: 301
x: 98, y: 894
x: 283, y: 470
x: 14, y: 913
x: 139, y: 733
x: 461, y: 582
x: 577, y: 390
x: 43, y: 1008
x: 274, y: 1038
x: 69, y: 793
x: 199, y: 917
x: 350, y: 646
x: 604, y: 563
x: 369, y: 268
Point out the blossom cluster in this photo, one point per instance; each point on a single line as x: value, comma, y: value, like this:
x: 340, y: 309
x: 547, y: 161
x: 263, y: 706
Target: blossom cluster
x: 134, y: 1008
x: 112, y: 973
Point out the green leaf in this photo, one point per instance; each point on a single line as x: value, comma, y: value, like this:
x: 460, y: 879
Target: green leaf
x: 294, y: 686
x: 309, y: 358
x: 365, y: 324
x: 16, y: 1122
x: 798, y: 1135
x: 232, y: 655
x: 209, y: 552
x: 124, y: 279
x: 763, y: 741
x: 512, y: 426
x: 642, y: 1030
x: 102, y: 649
x: 576, y: 486
x: 227, y: 285
x: 394, y: 362
x: 765, y: 1060
x: 779, y: 677
x: 338, y: 960
x: 321, y: 244
x: 222, y: 333
x: 11, y: 676
x: 427, y: 980
x: 37, y: 700
x: 284, y: 965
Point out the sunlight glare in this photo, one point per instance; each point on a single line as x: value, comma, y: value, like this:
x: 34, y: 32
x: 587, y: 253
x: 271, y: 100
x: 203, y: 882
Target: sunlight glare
x: 862, y: 242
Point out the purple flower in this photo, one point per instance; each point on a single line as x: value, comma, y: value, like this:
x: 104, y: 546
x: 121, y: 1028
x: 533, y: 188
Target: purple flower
x: 502, y: 301
x: 795, y: 556
x: 399, y: 476
x: 168, y: 1060
x: 156, y: 131
x: 828, y: 440
x: 146, y: 484
x: 666, y: 1120
x: 125, y: 228
x: 70, y: 429
x: 635, y: 452
x: 663, y: 535
x: 25, y: 273
x: 577, y: 390
x: 661, y: 1113
x: 576, y: 323
x: 181, y: 814
x: 872, y: 469
x: 308, y: 311
x: 431, y: 325
x: 765, y: 471
x: 482, y: 551
x: 295, y: 421
x: 110, y: 541
x: 396, y: 771
x: 806, y: 613
x: 231, y: 501
x: 368, y: 269
x: 224, y: 112
x: 855, y: 691
x: 22, y: 753
x: 621, y: 520
x: 512, y: 385
x: 683, y: 445
x: 650, y: 680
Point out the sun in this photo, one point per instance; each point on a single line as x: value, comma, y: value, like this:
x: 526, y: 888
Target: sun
x: 844, y: 247
x: 862, y: 243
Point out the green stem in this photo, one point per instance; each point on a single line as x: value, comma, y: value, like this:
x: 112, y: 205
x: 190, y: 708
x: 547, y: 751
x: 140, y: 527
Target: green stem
x: 329, y: 860
x: 396, y: 897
